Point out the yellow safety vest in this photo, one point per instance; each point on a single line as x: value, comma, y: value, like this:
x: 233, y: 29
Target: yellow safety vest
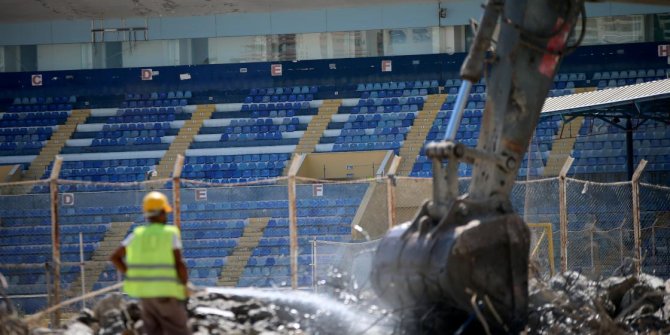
x: 151, y: 264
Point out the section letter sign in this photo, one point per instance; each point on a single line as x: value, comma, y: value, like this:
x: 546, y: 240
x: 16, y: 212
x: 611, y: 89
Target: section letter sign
x: 36, y: 80
x: 387, y: 66
x: 200, y: 194
x: 147, y: 74
x: 276, y: 70
x: 67, y: 199
x: 317, y: 190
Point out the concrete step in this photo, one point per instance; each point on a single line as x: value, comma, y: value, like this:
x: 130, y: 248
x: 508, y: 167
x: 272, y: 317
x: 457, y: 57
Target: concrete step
x: 109, y: 243
x: 236, y: 262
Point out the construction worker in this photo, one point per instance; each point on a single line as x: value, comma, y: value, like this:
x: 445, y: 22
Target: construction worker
x: 154, y: 269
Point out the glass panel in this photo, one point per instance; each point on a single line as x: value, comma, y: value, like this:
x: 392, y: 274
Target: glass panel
x: 308, y: 46
x: 282, y: 47
x: 151, y: 53
x: 237, y: 49
x: 613, y: 30
x: 661, y: 26
x: 55, y: 57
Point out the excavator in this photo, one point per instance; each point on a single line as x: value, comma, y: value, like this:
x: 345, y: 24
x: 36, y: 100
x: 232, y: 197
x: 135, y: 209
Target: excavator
x: 466, y: 256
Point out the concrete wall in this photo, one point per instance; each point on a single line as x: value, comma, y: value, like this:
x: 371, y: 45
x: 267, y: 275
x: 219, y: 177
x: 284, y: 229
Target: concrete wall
x: 413, y: 15
x: 345, y: 165
x: 372, y: 215
x: 9, y: 173
x: 373, y: 212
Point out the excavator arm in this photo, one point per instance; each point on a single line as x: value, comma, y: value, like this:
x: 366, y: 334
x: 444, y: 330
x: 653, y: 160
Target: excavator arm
x: 467, y: 255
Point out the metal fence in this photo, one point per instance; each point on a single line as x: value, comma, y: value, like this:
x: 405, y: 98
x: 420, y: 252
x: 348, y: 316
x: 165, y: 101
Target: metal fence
x: 56, y: 235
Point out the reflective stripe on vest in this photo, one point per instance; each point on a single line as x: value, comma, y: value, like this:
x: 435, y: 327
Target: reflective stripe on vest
x: 151, y: 264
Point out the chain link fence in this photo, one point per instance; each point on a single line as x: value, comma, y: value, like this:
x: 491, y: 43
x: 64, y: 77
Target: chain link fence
x: 94, y: 218
x: 600, y: 224
x: 241, y: 234
x: 236, y: 234
x: 25, y: 242
x: 655, y: 224
x: 342, y: 267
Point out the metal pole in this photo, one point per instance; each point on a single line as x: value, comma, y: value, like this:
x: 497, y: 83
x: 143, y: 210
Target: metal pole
x: 629, y: 149
x: 637, y: 231
x: 653, y: 243
x: 55, y: 235
x: 563, y: 213
x: 293, y: 221
x: 459, y: 108
x: 592, y: 232
x: 81, y: 267
x: 526, y: 200
x: 314, y: 283
x: 550, y: 237
x: 621, y: 229
x: 293, y: 231
x: 176, y: 190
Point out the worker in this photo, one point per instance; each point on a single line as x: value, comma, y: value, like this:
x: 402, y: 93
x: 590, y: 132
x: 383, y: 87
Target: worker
x: 154, y: 269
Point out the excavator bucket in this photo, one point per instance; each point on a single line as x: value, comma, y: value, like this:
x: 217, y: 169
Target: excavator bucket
x: 441, y: 275
x: 465, y: 257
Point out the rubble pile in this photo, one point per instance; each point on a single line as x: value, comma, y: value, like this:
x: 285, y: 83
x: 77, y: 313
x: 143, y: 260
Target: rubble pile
x: 213, y: 313
x: 231, y: 311
x: 570, y: 303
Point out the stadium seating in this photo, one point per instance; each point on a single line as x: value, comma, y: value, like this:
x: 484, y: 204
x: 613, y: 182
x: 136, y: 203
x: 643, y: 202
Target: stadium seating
x: 281, y: 94
x: 371, y: 124
x: 25, y: 133
x: 468, y: 134
x: 25, y: 234
x: 252, y: 139
x: 235, y: 168
x: 601, y: 147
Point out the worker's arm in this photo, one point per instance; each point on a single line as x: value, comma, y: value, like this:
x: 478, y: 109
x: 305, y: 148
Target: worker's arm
x: 182, y: 272
x: 117, y: 259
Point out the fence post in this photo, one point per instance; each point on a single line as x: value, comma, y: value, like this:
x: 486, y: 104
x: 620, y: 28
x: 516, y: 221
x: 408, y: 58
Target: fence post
x: 595, y: 268
x: 621, y: 230
x: 82, y: 268
x: 653, y: 244
x: 637, y: 231
x: 293, y: 221
x: 47, y: 281
x: 55, y: 236
x: 563, y: 212
x: 390, y: 191
x: 314, y: 283
x: 176, y: 190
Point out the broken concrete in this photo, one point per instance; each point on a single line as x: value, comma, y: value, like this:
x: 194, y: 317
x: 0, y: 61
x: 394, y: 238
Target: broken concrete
x: 570, y: 303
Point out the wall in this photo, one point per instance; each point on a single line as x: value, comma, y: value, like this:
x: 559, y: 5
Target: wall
x: 10, y: 173
x: 286, y: 22
x: 372, y: 215
x: 64, y: 57
x: 342, y: 165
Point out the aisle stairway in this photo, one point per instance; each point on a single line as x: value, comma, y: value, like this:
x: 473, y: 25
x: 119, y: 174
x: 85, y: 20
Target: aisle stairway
x: 315, y: 129
x: 55, y: 144
x: 235, y: 263
x: 183, y: 140
x: 93, y: 268
x: 562, y: 147
x: 417, y: 135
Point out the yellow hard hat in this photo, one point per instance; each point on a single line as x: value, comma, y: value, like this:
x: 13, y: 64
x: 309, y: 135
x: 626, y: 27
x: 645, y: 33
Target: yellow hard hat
x: 154, y: 202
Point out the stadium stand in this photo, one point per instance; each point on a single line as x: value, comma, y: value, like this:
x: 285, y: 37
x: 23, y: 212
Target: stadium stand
x: 251, y: 136
x: 210, y: 233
